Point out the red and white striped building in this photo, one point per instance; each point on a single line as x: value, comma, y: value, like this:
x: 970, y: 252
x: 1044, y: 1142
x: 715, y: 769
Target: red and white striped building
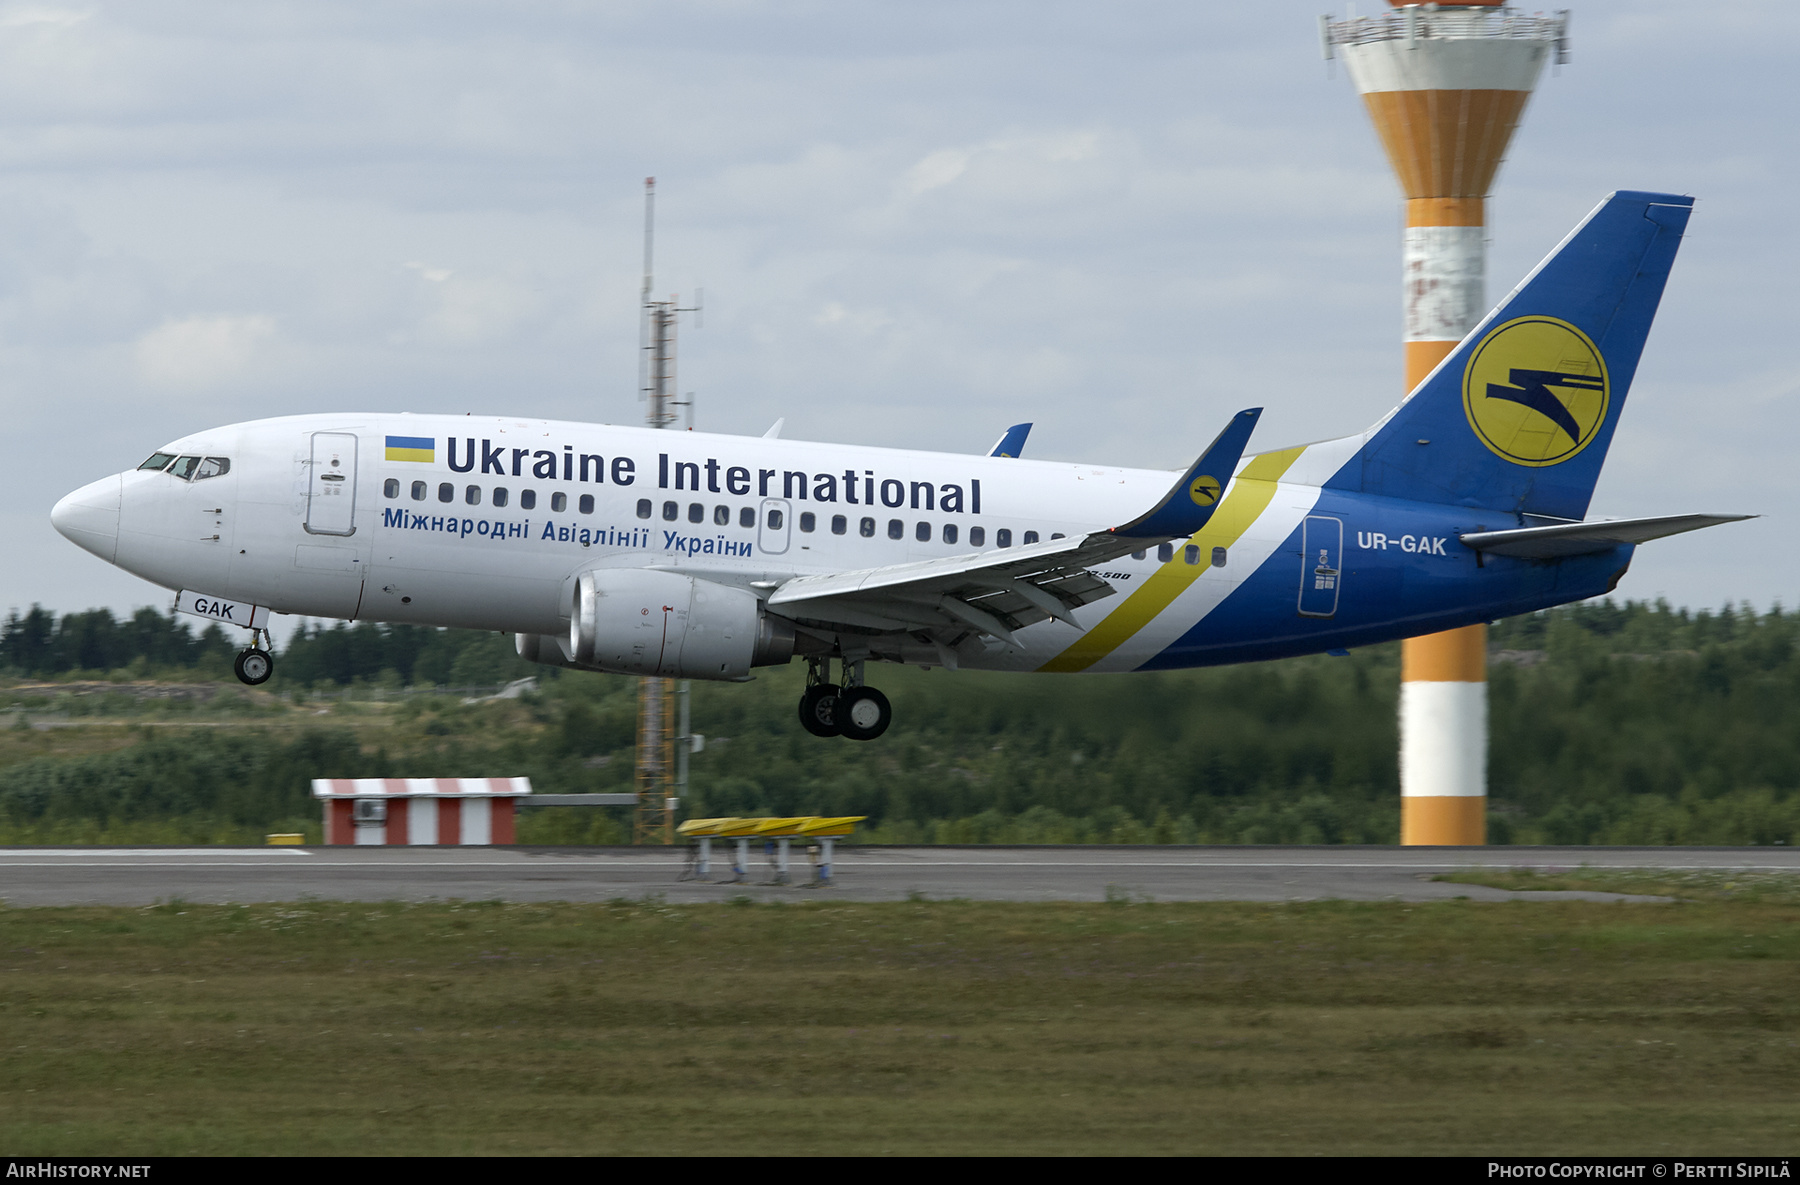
x: 375, y: 811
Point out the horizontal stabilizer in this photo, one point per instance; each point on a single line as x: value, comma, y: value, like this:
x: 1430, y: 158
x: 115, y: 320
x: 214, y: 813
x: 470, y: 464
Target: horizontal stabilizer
x: 1566, y: 539
x: 1192, y: 500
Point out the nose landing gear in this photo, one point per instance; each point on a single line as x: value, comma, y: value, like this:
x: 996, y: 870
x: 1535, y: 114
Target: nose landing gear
x: 853, y: 710
x: 255, y: 665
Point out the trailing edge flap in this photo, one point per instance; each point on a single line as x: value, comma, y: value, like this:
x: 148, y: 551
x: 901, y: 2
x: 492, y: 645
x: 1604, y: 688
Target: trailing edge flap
x: 998, y: 592
x: 1566, y: 539
x: 1192, y: 500
x: 990, y: 592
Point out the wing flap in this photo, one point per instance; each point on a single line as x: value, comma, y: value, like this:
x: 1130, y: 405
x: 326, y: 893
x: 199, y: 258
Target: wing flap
x: 999, y: 592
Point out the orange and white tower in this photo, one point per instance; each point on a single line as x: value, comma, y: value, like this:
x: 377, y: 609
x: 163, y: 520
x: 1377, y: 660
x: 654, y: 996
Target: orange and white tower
x: 1446, y: 85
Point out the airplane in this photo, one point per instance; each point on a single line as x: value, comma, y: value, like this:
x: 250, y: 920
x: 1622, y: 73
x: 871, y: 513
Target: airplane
x: 641, y: 552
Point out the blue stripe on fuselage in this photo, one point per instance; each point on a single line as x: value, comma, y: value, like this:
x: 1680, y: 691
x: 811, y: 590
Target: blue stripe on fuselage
x: 1393, y: 583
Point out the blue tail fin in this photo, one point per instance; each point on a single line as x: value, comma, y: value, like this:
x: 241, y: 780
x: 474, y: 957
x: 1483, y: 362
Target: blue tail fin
x: 1520, y: 415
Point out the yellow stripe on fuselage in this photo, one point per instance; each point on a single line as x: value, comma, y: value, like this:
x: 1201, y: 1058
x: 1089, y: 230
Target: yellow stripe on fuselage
x: 412, y: 454
x: 1250, y: 495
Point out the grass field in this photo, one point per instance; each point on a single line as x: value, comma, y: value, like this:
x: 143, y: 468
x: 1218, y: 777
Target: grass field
x: 941, y: 1027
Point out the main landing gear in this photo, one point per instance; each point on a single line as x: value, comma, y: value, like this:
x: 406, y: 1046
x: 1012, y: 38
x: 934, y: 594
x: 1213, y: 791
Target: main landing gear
x: 255, y: 665
x: 853, y: 710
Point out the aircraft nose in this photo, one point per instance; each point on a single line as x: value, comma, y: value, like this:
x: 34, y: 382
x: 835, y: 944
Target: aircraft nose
x: 89, y: 517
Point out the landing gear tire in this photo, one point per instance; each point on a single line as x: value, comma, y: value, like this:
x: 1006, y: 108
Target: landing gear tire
x: 863, y: 713
x: 253, y: 666
x: 819, y: 710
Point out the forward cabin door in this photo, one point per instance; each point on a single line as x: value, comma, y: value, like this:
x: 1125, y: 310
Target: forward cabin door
x: 331, y: 485
x: 329, y: 570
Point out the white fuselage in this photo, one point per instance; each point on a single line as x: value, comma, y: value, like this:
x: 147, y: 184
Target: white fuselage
x: 489, y: 527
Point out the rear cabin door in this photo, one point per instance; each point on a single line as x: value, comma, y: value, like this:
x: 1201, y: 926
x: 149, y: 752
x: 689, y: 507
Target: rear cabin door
x: 331, y: 485
x: 1321, y: 566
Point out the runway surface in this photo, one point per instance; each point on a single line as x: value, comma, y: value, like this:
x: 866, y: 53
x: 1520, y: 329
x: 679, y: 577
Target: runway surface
x: 145, y: 876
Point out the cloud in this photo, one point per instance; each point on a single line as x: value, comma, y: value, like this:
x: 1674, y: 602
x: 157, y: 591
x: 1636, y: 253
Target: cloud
x: 468, y: 311
x: 202, y: 353
x: 914, y: 224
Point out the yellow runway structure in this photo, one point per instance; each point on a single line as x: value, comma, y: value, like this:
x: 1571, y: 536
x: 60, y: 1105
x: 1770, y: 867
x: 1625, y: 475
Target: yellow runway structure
x: 782, y: 830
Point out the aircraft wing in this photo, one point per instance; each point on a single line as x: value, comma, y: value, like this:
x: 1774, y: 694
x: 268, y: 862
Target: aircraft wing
x: 1011, y: 442
x: 1000, y: 591
x: 1566, y: 539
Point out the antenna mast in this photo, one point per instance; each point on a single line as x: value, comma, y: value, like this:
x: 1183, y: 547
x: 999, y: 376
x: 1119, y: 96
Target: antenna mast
x: 656, y: 369
x: 661, y: 779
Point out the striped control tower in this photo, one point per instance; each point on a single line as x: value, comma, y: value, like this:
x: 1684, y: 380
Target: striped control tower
x: 1446, y: 85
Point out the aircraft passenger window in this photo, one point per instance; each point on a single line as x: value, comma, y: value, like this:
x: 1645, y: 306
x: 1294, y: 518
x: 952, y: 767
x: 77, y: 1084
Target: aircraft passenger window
x: 1031, y: 536
x: 644, y: 508
x: 1165, y: 552
x: 1218, y: 557
x: 213, y: 467
x: 1003, y: 537
x: 1058, y: 535
x: 559, y: 502
x: 774, y: 520
x: 472, y: 495
x: 1191, y: 554
x: 866, y: 528
x: 418, y: 491
x: 808, y: 522
x: 391, y: 487
x: 722, y: 516
x: 527, y: 499
x: 922, y: 532
x: 446, y: 492
x: 949, y: 532
x: 696, y: 512
x: 586, y: 504
x: 896, y: 529
x: 184, y: 467
x: 158, y: 461
x: 747, y: 517
x: 977, y: 536
x: 1140, y: 555
x: 839, y: 524
x: 671, y: 512
x: 501, y: 497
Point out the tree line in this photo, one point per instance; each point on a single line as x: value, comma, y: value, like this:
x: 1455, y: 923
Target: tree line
x: 38, y: 644
x: 1609, y: 723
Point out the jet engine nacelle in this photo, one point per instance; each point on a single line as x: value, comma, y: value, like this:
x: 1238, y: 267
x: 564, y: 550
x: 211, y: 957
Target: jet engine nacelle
x: 631, y: 621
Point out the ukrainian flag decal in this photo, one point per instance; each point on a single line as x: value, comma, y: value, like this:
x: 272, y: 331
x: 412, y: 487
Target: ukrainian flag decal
x: 412, y: 448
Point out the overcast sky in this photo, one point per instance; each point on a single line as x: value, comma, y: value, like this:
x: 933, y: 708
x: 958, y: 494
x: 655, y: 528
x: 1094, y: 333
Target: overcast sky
x: 914, y: 223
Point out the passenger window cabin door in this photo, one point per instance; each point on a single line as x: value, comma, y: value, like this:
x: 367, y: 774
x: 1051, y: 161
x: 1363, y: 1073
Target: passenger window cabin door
x: 773, y: 526
x: 1321, y: 565
x: 331, y: 484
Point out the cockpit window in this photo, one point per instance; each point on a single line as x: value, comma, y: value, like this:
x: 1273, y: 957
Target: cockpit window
x: 158, y: 462
x: 199, y: 468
